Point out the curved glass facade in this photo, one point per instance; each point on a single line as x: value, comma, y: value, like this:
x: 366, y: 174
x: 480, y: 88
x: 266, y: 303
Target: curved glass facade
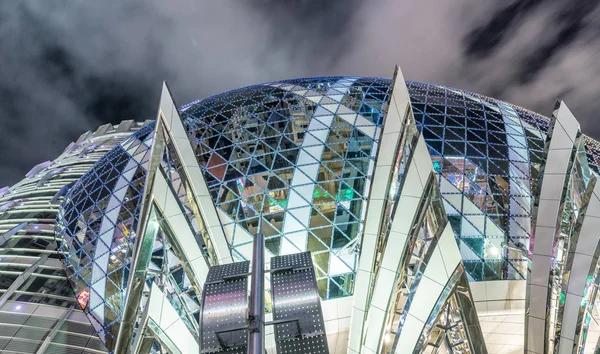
x: 295, y: 160
x: 97, y: 224
x: 487, y: 156
x: 260, y: 148
x: 38, y: 310
x: 300, y: 154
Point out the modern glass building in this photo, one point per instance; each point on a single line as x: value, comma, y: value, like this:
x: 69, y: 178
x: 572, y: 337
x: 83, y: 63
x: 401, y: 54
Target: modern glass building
x: 420, y: 205
x: 38, y: 310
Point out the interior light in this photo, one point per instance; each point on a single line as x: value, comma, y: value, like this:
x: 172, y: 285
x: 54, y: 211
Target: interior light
x: 388, y: 337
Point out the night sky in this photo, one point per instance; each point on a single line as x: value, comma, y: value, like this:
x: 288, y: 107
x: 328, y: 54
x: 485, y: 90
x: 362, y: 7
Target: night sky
x: 69, y: 66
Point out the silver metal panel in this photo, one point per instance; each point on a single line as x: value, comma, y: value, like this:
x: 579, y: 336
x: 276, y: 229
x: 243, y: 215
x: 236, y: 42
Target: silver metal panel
x: 50, y: 337
x: 224, y: 306
x: 189, y: 171
x: 222, y: 272
x: 7, y: 235
x: 297, y: 312
x: 21, y: 279
x: 397, y: 112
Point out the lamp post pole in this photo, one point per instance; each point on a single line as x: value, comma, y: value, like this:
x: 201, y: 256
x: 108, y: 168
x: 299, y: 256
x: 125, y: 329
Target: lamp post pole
x: 256, y: 320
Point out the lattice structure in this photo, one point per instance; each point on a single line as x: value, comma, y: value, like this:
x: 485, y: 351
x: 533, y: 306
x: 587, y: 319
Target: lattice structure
x: 301, y: 153
x: 251, y: 141
x: 38, y: 312
x: 97, y: 222
x: 487, y: 157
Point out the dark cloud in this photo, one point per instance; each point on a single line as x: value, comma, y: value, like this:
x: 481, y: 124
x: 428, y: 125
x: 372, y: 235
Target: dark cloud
x: 569, y: 22
x: 102, y: 98
x: 317, y: 32
x: 532, y: 53
x: 69, y: 66
x: 482, y: 40
x: 49, y: 94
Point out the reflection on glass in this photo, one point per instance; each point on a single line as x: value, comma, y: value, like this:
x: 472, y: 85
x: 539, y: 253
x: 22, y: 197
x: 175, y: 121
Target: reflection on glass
x: 264, y: 147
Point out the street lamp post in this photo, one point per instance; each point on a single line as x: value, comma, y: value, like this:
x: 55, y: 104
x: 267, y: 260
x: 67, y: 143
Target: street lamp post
x: 256, y: 320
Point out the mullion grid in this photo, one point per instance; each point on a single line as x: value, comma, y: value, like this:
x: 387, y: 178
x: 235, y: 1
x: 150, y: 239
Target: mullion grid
x: 280, y: 105
x: 77, y: 203
x: 423, y: 99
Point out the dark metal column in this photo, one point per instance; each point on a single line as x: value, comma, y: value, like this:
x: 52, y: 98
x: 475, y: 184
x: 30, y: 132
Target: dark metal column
x: 256, y: 321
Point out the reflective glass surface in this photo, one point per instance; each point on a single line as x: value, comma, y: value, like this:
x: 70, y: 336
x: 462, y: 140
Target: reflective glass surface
x: 98, y: 220
x: 297, y: 152
x: 298, y: 155
x: 487, y: 156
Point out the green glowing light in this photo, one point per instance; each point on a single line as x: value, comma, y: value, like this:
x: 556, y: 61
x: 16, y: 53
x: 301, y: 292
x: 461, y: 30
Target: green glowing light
x: 346, y: 194
x: 281, y: 203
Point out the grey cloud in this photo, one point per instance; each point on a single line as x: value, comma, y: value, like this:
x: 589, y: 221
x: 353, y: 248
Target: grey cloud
x: 69, y: 66
x: 546, y: 53
x: 484, y: 39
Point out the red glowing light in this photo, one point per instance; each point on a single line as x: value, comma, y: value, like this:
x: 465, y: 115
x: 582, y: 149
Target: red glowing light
x: 83, y: 297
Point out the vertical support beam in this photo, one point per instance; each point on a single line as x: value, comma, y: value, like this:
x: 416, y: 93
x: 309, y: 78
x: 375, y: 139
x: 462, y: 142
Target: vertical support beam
x: 388, y: 259
x: 559, y: 147
x: 179, y: 233
x: 413, y: 199
x: 582, y: 273
x: 142, y: 249
x: 199, y: 195
x: 398, y: 110
x: 256, y: 320
x: 163, y: 322
x: 170, y: 133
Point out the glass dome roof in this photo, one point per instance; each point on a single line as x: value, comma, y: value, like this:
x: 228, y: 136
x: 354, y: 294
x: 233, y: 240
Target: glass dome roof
x: 299, y: 154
